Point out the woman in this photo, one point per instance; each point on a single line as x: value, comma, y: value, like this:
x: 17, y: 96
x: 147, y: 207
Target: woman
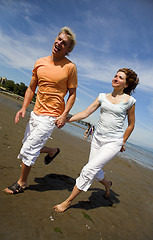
x: 109, y: 137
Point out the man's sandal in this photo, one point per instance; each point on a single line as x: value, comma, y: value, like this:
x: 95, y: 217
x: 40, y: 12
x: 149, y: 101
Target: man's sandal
x: 49, y: 159
x: 15, y: 188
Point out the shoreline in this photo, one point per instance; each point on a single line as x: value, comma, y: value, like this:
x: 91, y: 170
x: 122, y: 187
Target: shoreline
x: 30, y: 215
x: 123, y: 156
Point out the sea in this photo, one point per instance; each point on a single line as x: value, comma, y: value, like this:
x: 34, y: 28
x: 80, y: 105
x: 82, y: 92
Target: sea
x: 140, y: 154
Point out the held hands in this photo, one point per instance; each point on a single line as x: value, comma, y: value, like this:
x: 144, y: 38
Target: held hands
x: 60, y: 121
x: 21, y: 112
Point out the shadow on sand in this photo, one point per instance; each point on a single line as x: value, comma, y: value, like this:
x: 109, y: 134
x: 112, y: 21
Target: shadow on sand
x: 61, y: 182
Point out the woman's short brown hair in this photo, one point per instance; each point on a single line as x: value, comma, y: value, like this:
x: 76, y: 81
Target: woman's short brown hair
x: 132, y: 80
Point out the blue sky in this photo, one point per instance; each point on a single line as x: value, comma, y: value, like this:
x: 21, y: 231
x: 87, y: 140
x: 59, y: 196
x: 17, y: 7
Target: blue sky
x: 110, y: 34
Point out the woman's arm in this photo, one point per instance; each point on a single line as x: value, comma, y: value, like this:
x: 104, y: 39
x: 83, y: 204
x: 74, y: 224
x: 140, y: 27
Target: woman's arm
x: 131, y: 124
x: 87, y: 112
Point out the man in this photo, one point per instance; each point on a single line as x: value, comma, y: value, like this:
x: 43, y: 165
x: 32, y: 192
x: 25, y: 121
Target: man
x: 54, y: 75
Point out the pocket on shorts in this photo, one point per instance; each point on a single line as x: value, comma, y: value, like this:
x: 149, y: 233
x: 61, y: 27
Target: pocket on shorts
x: 39, y: 136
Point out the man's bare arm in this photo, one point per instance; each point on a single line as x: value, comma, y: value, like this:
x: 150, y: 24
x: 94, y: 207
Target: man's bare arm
x: 27, y: 99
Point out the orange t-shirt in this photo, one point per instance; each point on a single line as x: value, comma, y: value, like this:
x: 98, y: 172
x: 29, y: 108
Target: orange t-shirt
x: 53, y: 80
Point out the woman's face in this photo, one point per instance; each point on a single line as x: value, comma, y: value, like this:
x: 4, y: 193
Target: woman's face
x: 119, y: 81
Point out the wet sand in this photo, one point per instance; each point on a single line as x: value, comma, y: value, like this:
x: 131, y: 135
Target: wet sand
x: 128, y: 214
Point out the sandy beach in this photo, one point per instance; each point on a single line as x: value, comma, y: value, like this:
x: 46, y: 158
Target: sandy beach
x: 127, y: 215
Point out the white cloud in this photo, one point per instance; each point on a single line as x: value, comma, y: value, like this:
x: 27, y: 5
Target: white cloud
x: 21, y: 51
x: 103, y: 69
x: 150, y: 108
x: 86, y: 93
x: 144, y: 126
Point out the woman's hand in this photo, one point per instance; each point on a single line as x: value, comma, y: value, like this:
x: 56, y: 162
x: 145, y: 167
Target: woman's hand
x: 122, y: 148
x: 60, y: 121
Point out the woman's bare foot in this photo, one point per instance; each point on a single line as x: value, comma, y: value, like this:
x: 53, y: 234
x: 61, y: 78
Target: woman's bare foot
x: 62, y: 206
x: 108, y: 186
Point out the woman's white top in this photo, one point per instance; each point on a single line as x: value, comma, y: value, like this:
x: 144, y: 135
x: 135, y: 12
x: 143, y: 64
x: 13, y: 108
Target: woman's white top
x: 112, y: 116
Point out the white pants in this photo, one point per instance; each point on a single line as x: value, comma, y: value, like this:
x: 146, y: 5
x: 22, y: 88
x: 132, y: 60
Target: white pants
x: 37, y: 132
x: 103, y: 149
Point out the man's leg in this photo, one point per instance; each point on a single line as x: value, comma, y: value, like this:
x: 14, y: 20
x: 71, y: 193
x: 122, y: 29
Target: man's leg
x: 23, y: 178
x: 31, y: 147
x: 50, y: 151
x: 25, y: 170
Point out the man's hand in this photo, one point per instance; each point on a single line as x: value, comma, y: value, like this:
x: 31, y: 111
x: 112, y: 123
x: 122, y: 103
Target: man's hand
x: 21, y: 113
x: 60, y: 121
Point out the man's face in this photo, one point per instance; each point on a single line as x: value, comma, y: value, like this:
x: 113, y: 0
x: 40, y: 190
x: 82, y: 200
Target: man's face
x: 61, y: 45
